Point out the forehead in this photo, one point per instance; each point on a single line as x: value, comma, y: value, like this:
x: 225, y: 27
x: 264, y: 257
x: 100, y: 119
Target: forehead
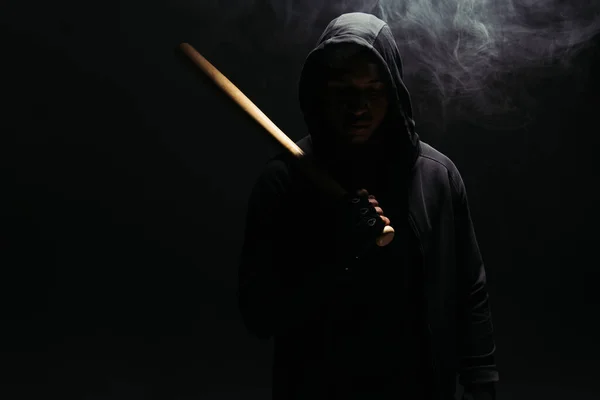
x: 357, y: 68
x: 345, y: 61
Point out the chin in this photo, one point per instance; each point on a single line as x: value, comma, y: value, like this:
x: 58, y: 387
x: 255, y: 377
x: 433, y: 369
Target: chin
x: 353, y: 138
x: 360, y: 136
x: 359, y: 139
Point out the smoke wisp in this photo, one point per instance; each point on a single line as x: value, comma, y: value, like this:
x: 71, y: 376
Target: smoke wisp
x: 463, y: 53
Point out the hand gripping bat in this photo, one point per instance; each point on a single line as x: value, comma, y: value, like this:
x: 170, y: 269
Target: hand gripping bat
x: 319, y: 176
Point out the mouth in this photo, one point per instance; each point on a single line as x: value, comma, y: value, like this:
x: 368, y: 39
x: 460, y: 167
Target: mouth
x: 358, y: 128
x: 360, y: 125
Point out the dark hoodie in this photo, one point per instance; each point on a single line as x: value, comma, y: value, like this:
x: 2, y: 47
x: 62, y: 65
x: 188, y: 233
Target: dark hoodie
x: 400, y: 321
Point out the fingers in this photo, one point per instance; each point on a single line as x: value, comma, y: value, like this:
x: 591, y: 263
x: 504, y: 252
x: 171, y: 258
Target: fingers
x: 385, y: 219
x: 373, y: 201
x: 365, y: 192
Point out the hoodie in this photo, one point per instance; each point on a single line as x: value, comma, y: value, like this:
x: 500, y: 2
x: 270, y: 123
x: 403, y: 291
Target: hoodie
x: 400, y: 321
x: 400, y: 141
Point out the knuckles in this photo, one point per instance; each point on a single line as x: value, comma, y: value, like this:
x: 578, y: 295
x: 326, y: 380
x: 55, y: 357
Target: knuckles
x: 372, y: 201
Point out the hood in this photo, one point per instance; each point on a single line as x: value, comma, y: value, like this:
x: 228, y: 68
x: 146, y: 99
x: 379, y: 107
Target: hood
x: 374, y: 35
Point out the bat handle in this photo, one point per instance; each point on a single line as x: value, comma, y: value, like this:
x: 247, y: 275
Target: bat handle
x: 386, y: 237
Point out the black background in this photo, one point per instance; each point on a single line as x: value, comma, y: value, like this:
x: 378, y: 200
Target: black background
x: 125, y: 175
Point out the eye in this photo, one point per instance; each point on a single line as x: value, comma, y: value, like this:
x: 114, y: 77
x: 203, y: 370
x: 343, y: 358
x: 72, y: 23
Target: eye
x: 349, y: 92
x: 342, y: 91
x: 376, y: 92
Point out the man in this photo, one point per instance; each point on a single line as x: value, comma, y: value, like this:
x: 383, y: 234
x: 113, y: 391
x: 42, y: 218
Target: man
x: 350, y: 319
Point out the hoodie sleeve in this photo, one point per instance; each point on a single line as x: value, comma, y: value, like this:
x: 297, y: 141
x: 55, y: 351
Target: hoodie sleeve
x: 268, y: 308
x: 476, y: 346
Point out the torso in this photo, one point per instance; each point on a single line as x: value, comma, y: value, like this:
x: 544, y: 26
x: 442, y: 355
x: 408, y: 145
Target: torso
x: 375, y: 318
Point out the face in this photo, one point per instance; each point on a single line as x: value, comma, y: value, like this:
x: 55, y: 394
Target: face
x: 355, y: 100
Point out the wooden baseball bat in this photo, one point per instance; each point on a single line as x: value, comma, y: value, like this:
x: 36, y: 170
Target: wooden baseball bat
x: 324, y: 180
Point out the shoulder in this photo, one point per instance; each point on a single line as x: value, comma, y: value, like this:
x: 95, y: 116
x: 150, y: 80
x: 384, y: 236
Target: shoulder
x: 433, y: 158
x: 434, y: 162
x: 282, y: 162
x: 281, y: 167
x: 274, y: 176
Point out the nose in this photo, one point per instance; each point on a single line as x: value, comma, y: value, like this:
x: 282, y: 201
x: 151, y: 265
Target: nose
x: 359, y: 104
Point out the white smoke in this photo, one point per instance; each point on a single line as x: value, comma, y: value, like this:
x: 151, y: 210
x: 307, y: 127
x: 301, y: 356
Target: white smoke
x: 462, y: 53
x: 467, y: 49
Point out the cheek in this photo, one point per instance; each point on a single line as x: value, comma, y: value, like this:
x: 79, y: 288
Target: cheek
x: 333, y: 111
x: 380, y: 110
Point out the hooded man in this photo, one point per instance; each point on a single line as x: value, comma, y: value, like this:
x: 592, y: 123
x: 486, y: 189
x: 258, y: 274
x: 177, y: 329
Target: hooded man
x: 351, y: 320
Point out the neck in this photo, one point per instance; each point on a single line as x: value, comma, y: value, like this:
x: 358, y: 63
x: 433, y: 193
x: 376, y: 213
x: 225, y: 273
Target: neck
x: 356, y: 166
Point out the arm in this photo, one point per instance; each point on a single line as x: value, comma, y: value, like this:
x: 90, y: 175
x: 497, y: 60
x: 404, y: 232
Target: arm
x: 476, y: 346
x: 268, y: 308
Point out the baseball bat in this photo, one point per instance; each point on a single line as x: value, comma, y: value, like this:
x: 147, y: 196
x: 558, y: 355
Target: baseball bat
x: 321, y: 178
